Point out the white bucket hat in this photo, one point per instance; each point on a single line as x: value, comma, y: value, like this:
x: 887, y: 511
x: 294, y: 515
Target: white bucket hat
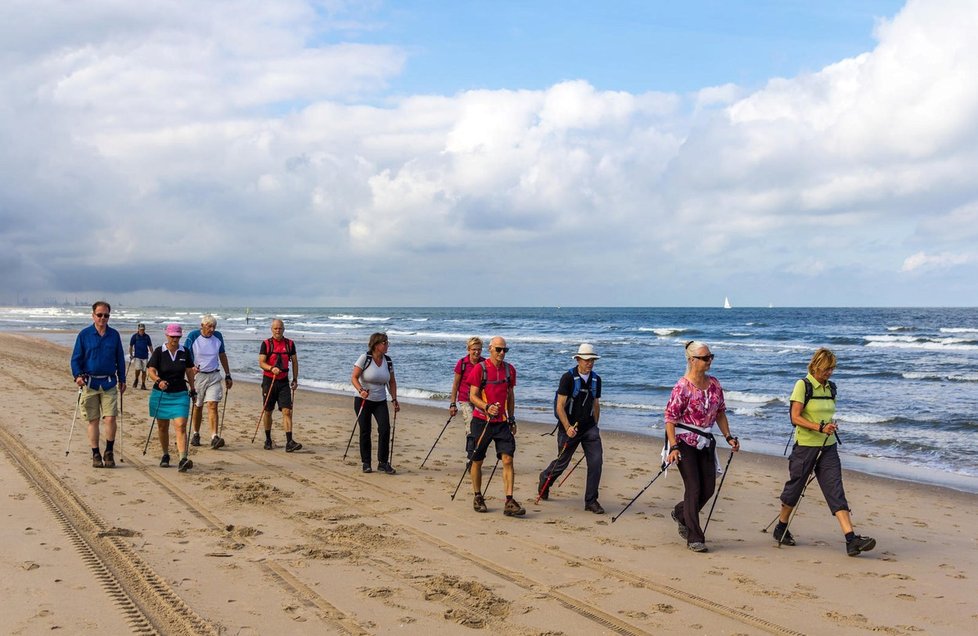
x: 586, y: 352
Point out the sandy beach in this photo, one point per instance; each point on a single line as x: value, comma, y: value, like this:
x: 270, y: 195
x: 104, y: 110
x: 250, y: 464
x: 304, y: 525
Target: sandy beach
x: 263, y: 542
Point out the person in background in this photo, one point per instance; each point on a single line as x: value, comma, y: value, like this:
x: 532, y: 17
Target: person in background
x: 98, y: 364
x: 275, y: 356
x: 140, y: 346
x: 206, y: 346
x: 816, y: 449
x: 171, y: 370
x: 695, y: 405
x: 373, y: 373
x: 460, y: 390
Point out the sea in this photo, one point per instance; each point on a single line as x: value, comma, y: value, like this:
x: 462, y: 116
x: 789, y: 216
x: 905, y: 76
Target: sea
x: 907, y: 377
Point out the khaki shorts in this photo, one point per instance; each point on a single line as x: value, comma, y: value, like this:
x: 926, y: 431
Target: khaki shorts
x: 139, y: 364
x: 98, y: 403
x: 210, y: 387
x: 465, y: 408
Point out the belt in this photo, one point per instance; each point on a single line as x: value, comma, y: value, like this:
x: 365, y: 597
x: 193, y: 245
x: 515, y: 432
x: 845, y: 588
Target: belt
x: 211, y: 371
x: 101, y: 377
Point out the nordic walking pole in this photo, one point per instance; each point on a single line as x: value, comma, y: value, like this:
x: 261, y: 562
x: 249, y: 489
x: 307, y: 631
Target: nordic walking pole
x: 390, y: 456
x: 356, y: 422
x: 468, y: 464
x: 664, y: 467
x: 220, y: 429
x: 156, y: 412
x: 122, y: 412
x: 494, y: 467
x: 717, y: 495
x: 795, y: 509
x: 73, y: 417
x: 261, y: 415
x: 436, y: 441
x: 576, y: 464
x: 553, y: 467
x: 777, y: 516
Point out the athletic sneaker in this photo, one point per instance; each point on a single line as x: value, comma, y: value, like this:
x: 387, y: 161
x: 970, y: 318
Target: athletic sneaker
x: 860, y: 544
x: 109, y: 462
x: 783, y: 536
x: 479, y: 503
x: 384, y: 467
x: 292, y: 446
x: 217, y: 442
x: 268, y: 444
x: 698, y: 546
x: 513, y: 509
x: 165, y: 461
x: 544, y: 494
x: 96, y: 461
x: 195, y: 440
x: 681, y: 525
x: 185, y: 464
x: 367, y: 468
x: 595, y: 507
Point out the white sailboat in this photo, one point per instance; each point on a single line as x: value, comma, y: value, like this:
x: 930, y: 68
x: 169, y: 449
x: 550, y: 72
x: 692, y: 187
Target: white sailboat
x: 726, y: 302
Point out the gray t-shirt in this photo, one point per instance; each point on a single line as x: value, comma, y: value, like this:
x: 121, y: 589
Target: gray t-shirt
x: 374, y: 378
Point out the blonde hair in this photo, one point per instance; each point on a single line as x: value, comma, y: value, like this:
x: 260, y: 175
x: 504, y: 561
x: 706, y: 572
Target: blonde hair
x: 376, y: 339
x: 821, y: 360
x: 691, y: 346
x: 208, y: 319
x: 474, y: 341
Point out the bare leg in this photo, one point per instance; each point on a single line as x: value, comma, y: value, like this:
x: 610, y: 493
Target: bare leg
x: 509, y: 475
x: 475, y: 471
x: 286, y: 420
x: 163, y: 430
x: 212, y: 416
x: 845, y: 521
x: 180, y: 426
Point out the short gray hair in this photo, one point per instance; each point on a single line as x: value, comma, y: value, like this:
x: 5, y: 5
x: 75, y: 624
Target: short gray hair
x: 208, y: 319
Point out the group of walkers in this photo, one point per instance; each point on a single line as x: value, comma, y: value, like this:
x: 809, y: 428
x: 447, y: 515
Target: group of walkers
x: 483, y: 391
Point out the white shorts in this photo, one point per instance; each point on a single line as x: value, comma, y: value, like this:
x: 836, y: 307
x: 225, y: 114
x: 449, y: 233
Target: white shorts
x: 210, y: 387
x: 139, y: 364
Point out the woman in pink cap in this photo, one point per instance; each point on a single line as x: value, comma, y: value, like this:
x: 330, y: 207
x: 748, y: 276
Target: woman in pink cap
x: 171, y: 369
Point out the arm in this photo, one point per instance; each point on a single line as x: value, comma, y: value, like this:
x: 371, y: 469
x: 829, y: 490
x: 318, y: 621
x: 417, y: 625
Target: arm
x: 120, y: 365
x: 798, y: 420
x: 227, y: 368
x: 452, y: 408
x: 295, y: 371
x: 570, y: 429
x: 673, y: 455
x: 725, y: 429
x: 392, y: 387
x: 357, y: 385
x: 76, y: 360
x: 597, y: 411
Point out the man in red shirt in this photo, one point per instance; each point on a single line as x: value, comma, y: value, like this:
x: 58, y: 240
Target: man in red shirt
x: 491, y: 393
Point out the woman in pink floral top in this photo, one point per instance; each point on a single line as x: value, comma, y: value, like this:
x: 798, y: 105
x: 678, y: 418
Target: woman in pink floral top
x: 695, y: 404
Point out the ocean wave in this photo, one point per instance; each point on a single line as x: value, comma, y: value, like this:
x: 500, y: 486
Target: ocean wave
x: 632, y: 406
x: 747, y: 412
x: 860, y: 418
x: 752, y: 398
x: 900, y: 328
x: 951, y: 377
x: 924, y: 345
x: 360, y: 318
x: 664, y: 331
x: 958, y: 330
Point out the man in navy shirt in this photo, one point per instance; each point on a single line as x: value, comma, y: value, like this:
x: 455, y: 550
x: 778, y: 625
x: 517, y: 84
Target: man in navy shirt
x: 98, y: 364
x: 140, y: 346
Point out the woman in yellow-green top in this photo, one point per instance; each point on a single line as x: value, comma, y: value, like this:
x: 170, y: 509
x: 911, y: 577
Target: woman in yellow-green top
x: 816, y: 449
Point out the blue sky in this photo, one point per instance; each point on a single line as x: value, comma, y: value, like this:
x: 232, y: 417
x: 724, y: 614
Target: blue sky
x: 307, y: 152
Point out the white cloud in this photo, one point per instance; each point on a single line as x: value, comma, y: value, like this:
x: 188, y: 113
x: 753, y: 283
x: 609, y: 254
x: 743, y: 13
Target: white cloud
x: 944, y: 260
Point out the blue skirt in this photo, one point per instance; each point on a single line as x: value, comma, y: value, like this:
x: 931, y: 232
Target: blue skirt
x: 169, y: 406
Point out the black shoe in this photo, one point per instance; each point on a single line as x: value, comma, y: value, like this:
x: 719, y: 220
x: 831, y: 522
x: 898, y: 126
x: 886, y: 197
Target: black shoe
x: 783, y: 536
x: 860, y: 544
x: 268, y: 444
x: 97, y: 461
x: 217, y: 442
x: 367, y: 468
x: 698, y: 546
x: 513, y: 509
x: 683, y: 530
x: 595, y: 507
x: 544, y: 494
x: 384, y: 467
x: 195, y: 440
x: 185, y: 465
x: 479, y: 503
x: 292, y: 446
x: 143, y: 387
x: 165, y: 461
x: 109, y: 462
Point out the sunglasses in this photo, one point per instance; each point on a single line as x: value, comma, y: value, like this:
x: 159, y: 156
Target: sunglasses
x: 708, y: 358
x: 501, y: 349
x: 105, y: 315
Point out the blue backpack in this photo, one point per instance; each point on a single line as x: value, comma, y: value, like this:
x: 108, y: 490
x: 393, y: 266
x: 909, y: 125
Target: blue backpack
x: 592, y: 387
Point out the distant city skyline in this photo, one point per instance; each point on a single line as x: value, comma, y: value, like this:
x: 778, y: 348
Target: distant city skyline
x: 420, y: 153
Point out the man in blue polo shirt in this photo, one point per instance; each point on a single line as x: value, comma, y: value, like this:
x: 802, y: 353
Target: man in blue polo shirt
x: 98, y: 364
x: 140, y: 346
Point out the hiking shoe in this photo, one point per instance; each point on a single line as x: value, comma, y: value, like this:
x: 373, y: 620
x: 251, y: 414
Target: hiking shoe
x: 217, y: 442
x: 96, y: 461
x: 698, y: 546
x: 543, y: 494
x: 195, y: 440
x: 109, y: 462
x: 367, y: 468
x: 165, y: 461
x: 681, y: 525
x: 384, y: 467
x: 783, y: 536
x: 185, y: 464
x: 292, y: 446
x: 143, y: 387
x: 860, y: 544
x: 513, y: 509
x: 268, y: 444
x: 479, y: 503
x: 595, y: 507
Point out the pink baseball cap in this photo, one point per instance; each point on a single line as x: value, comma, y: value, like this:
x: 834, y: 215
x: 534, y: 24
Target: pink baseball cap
x: 174, y: 329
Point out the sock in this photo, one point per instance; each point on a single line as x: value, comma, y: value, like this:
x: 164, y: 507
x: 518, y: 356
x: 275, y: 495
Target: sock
x: 850, y: 536
x: 95, y: 451
x: 509, y: 498
x: 268, y: 435
x: 781, y: 525
x: 109, y: 443
x: 288, y: 436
